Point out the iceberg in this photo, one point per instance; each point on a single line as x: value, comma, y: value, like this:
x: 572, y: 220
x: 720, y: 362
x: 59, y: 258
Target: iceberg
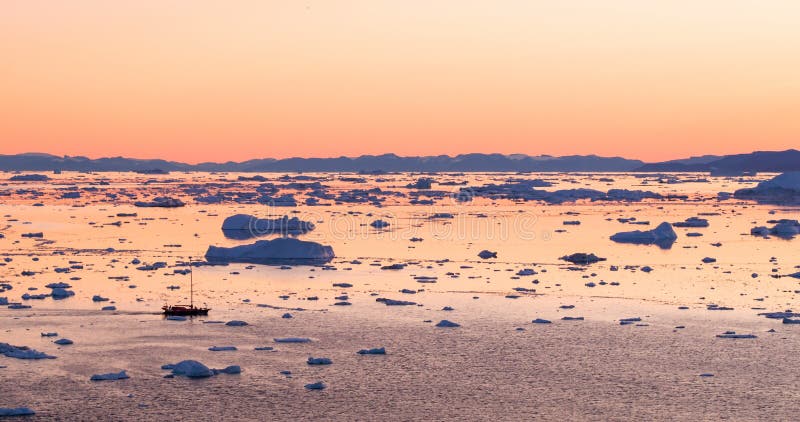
x: 244, y: 226
x: 447, y: 324
x: 110, y: 376
x: 16, y: 411
x: 190, y: 369
x: 276, y: 251
x: 663, y: 236
x: 786, y: 229
x: 160, y: 202
x: 781, y: 189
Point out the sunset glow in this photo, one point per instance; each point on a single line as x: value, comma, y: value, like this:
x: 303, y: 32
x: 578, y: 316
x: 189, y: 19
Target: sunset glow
x: 202, y: 80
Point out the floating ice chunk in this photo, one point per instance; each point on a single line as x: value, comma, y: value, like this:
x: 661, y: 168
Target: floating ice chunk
x: 374, y: 351
x: 784, y: 188
x: 379, y: 224
x: 60, y: 293
x: 316, y: 386
x: 582, y: 258
x: 692, y: 222
x: 222, y: 348
x: 63, y: 341
x: 663, y: 236
x: 49, y: 334
x: 160, y: 202
x: 319, y: 361
x: 110, y: 376
x: 276, y: 251
x: 447, y: 324
x: 109, y: 308
x: 709, y: 260
x: 732, y: 334
x: 236, y: 323
x: 190, y: 369
x: 392, y: 302
x: 569, y: 318
x: 286, y: 315
x: 16, y: 411
x: 486, y: 254
x: 243, y: 226
x: 292, y: 340
x: 22, y: 352
x: 541, y: 321
x: 230, y: 370
x: 98, y: 298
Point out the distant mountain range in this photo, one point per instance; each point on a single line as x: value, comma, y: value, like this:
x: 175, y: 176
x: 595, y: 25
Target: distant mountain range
x: 761, y: 161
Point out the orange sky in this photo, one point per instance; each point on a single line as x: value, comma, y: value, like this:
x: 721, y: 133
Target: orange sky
x: 202, y: 80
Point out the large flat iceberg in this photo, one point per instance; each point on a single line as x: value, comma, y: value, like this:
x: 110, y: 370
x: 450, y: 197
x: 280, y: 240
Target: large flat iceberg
x: 277, y: 251
x: 663, y: 236
x: 244, y: 226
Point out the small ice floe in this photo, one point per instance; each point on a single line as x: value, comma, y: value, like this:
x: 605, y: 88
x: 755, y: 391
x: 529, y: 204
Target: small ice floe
x: 663, y: 236
x: 292, y: 340
x: 286, y: 316
x: 110, y: 376
x: 222, y: 348
x: 58, y: 285
x: 236, y: 323
x: 342, y: 285
x: 63, y: 342
x: 22, y: 352
x: 692, y: 222
x: 16, y: 411
x: 319, y: 361
x: 189, y: 369
x: 709, y: 260
x: 582, y: 258
x: 98, y: 298
x: 629, y: 321
x: 49, y: 334
x: 176, y: 318
x: 61, y: 293
x: 706, y: 375
x: 732, y: 334
x: 569, y: 318
x: 447, y: 308
x: 526, y: 272
x: 316, y: 386
x: 160, y: 202
x: 541, y: 321
x: 230, y: 370
x: 109, y: 308
x: 791, y: 321
x: 486, y: 254
x: 379, y: 224
x: 265, y: 348
x: 447, y: 324
x: 786, y: 229
x: 392, y: 302
x: 375, y: 351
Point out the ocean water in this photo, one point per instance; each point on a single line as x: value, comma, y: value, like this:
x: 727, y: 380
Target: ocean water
x: 497, y: 365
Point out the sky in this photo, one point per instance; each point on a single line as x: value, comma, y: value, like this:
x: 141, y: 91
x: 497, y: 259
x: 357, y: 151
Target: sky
x: 206, y: 80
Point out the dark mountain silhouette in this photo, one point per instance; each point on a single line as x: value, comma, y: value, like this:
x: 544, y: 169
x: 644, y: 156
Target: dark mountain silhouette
x: 386, y: 162
x: 760, y: 161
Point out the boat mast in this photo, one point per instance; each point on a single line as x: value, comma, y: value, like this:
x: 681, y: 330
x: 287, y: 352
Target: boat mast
x: 191, y: 284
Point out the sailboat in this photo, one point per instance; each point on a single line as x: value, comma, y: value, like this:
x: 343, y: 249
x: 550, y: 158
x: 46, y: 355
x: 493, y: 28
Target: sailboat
x: 190, y: 309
